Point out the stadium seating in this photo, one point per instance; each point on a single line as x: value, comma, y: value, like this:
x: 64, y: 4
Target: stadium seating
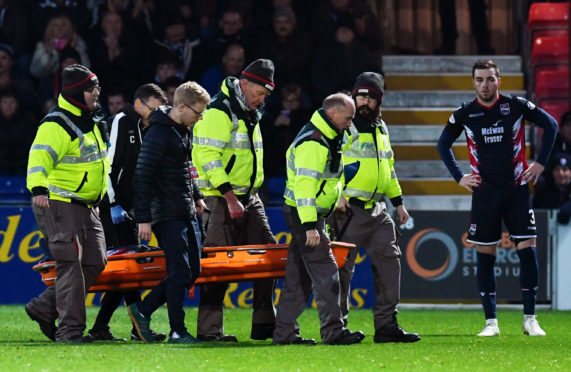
x: 556, y: 107
x: 547, y: 20
x: 550, y: 50
x: 548, y: 27
x: 551, y: 85
x: 547, y: 16
x: 549, y: 54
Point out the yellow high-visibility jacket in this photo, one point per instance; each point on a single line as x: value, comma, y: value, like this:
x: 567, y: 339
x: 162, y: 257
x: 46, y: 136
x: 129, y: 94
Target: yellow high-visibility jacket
x: 314, y: 170
x: 68, y: 159
x: 227, y: 146
x: 369, y: 145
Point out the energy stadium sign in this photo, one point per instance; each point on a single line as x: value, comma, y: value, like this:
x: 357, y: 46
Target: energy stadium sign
x: 439, y: 264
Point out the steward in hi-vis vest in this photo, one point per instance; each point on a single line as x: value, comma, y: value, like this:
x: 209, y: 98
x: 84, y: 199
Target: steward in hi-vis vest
x: 362, y: 218
x: 68, y: 159
x: 314, y: 170
x: 67, y: 175
x: 229, y: 143
x: 228, y: 154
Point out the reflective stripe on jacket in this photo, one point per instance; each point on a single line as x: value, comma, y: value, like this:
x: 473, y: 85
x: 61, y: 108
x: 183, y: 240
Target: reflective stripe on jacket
x: 314, y: 169
x: 376, y: 174
x: 70, y: 162
x: 227, y: 146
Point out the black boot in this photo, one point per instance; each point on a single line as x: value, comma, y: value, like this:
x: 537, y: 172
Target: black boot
x: 49, y: 329
x: 103, y: 335
x: 347, y: 337
x: 392, y: 332
x: 217, y: 338
x: 262, y: 331
x: 157, y: 337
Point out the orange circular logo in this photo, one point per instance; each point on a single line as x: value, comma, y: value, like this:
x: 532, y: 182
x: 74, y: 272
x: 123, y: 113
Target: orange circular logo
x: 447, y: 266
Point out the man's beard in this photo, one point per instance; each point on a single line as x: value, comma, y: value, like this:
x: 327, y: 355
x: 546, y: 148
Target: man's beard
x: 367, y: 113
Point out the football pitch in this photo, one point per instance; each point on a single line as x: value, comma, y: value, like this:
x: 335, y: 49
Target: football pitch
x: 448, y: 344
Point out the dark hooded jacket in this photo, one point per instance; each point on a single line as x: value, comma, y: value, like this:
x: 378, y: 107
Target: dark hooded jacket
x: 163, y: 186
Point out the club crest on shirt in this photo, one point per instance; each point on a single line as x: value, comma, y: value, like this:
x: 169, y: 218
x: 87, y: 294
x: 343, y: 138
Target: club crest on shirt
x: 472, y: 230
x: 505, y: 108
x: 193, y: 172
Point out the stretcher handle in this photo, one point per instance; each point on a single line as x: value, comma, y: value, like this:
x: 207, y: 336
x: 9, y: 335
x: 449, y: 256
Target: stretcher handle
x: 267, y: 247
x: 47, y: 265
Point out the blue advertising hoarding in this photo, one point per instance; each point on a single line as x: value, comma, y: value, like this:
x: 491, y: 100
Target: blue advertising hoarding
x: 437, y: 263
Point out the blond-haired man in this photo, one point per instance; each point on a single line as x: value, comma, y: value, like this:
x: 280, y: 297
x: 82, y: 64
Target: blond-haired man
x: 166, y: 201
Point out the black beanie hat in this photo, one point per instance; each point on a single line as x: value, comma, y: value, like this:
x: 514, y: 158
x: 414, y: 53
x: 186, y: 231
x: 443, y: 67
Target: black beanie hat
x: 261, y: 72
x: 371, y: 83
x: 77, y: 79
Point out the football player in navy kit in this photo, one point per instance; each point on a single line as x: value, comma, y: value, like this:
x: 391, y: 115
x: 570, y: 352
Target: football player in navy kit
x: 495, y: 134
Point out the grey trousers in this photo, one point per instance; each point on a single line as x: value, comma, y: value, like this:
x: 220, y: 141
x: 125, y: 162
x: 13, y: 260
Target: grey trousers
x: 374, y: 231
x: 253, y: 228
x: 308, y: 269
x: 77, y: 243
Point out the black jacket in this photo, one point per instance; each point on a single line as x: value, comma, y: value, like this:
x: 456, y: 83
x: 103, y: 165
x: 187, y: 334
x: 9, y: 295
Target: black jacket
x: 126, y: 137
x: 163, y: 186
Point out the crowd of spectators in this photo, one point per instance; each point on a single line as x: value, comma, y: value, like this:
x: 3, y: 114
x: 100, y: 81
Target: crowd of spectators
x: 553, y: 190
x: 318, y: 47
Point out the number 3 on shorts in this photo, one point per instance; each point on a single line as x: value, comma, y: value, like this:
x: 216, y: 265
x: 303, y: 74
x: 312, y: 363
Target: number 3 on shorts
x: 531, y: 217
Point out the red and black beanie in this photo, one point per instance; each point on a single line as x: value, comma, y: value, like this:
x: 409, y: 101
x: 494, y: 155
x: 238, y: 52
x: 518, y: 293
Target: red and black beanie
x: 369, y: 83
x: 261, y: 72
x: 77, y: 79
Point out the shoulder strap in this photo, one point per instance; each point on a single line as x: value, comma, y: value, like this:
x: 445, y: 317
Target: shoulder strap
x: 58, y: 116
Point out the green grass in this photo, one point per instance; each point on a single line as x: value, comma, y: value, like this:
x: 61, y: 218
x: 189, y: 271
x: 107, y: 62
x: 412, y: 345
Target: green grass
x: 448, y: 343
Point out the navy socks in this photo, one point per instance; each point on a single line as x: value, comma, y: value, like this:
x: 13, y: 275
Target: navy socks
x: 487, y: 283
x: 528, y: 278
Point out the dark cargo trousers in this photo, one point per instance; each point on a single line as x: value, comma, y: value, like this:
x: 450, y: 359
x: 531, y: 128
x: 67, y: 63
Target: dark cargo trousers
x: 307, y: 268
x: 221, y: 230
x: 77, y: 243
x: 374, y: 231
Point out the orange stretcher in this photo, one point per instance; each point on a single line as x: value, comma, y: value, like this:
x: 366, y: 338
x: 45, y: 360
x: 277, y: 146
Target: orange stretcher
x: 222, y: 265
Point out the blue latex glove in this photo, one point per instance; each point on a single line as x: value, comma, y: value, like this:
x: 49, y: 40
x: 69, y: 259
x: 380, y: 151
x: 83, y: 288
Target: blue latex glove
x: 118, y: 214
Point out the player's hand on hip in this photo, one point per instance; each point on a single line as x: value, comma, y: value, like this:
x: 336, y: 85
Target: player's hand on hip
x: 402, y: 214
x: 312, y: 238
x: 469, y: 181
x: 531, y: 175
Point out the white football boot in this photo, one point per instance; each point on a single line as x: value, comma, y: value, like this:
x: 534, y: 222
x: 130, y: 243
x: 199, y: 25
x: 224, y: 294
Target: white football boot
x: 491, y: 328
x: 531, y: 327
